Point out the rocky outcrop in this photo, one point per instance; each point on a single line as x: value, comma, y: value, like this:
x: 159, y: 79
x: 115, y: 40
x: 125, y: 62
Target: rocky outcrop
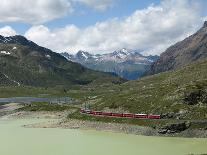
x: 196, y: 97
x: 174, y: 128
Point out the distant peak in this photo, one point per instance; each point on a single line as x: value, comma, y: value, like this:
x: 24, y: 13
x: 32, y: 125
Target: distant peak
x: 83, y: 54
x: 81, y: 51
x: 205, y: 24
x: 124, y: 50
x: 12, y: 39
x: 121, y: 51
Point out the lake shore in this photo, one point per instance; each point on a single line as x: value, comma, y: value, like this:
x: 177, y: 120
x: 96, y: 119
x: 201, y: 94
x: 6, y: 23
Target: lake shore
x: 60, y: 120
x: 116, y: 127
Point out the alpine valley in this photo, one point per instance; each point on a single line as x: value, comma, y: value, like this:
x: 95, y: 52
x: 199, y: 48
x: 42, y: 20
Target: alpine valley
x: 128, y: 64
x: 83, y: 77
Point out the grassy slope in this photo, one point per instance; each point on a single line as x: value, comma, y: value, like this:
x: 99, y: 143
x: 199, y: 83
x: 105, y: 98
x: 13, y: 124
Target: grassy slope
x: 160, y: 93
x: 43, y: 106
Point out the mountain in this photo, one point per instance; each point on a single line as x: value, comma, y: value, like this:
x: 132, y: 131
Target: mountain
x: 129, y: 64
x: 24, y: 63
x: 183, y: 53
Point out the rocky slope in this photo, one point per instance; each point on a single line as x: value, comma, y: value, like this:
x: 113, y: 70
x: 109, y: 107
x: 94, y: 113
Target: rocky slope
x: 24, y: 63
x: 183, y: 53
x: 128, y: 64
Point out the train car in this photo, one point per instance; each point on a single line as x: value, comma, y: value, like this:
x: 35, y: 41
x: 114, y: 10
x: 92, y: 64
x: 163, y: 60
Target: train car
x: 106, y: 113
x: 88, y: 112
x: 97, y: 112
x: 82, y: 110
x: 129, y: 115
x: 117, y: 114
x: 154, y: 116
x: 140, y: 116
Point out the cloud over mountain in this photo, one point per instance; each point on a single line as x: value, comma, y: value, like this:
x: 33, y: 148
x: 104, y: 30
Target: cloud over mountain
x: 152, y: 30
x: 7, y: 31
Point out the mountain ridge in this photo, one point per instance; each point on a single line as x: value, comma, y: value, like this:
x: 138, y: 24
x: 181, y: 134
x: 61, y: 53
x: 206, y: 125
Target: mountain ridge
x: 129, y: 64
x: 183, y: 53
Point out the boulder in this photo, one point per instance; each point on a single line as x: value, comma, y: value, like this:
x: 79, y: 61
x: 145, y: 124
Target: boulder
x: 168, y: 115
x: 174, y: 128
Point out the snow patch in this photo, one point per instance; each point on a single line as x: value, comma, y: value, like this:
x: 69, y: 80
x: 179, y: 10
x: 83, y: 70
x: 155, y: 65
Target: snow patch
x: 14, y: 48
x: 48, y: 56
x: 85, y: 56
x: 5, y: 52
x: 119, y: 56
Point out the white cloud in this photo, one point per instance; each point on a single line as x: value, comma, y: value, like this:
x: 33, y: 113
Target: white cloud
x: 33, y: 11
x: 7, y: 31
x: 41, y: 11
x: 58, y: 39
x: 97, y: 4
x: 152, y: 30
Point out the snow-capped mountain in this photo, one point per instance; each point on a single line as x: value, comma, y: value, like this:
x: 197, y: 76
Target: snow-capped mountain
x: 129, y: 64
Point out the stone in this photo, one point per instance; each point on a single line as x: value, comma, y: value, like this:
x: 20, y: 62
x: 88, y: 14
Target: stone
x: 174, y: 128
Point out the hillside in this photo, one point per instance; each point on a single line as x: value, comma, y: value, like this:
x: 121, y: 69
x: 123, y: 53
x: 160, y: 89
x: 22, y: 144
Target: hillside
x: 183, y: 53
x: 179, y: 93
x: 129, y: 64
x: 24, y: 63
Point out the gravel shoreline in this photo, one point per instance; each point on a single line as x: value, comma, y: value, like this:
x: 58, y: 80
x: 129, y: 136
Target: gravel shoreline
x: 115, y: 127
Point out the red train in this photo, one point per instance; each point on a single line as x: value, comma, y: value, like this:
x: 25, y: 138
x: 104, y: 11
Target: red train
x: 128, y: 115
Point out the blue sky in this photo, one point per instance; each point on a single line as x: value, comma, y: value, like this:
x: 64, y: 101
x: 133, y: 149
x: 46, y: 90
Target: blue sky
x: 84, y: 16
x: 101, y: 26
